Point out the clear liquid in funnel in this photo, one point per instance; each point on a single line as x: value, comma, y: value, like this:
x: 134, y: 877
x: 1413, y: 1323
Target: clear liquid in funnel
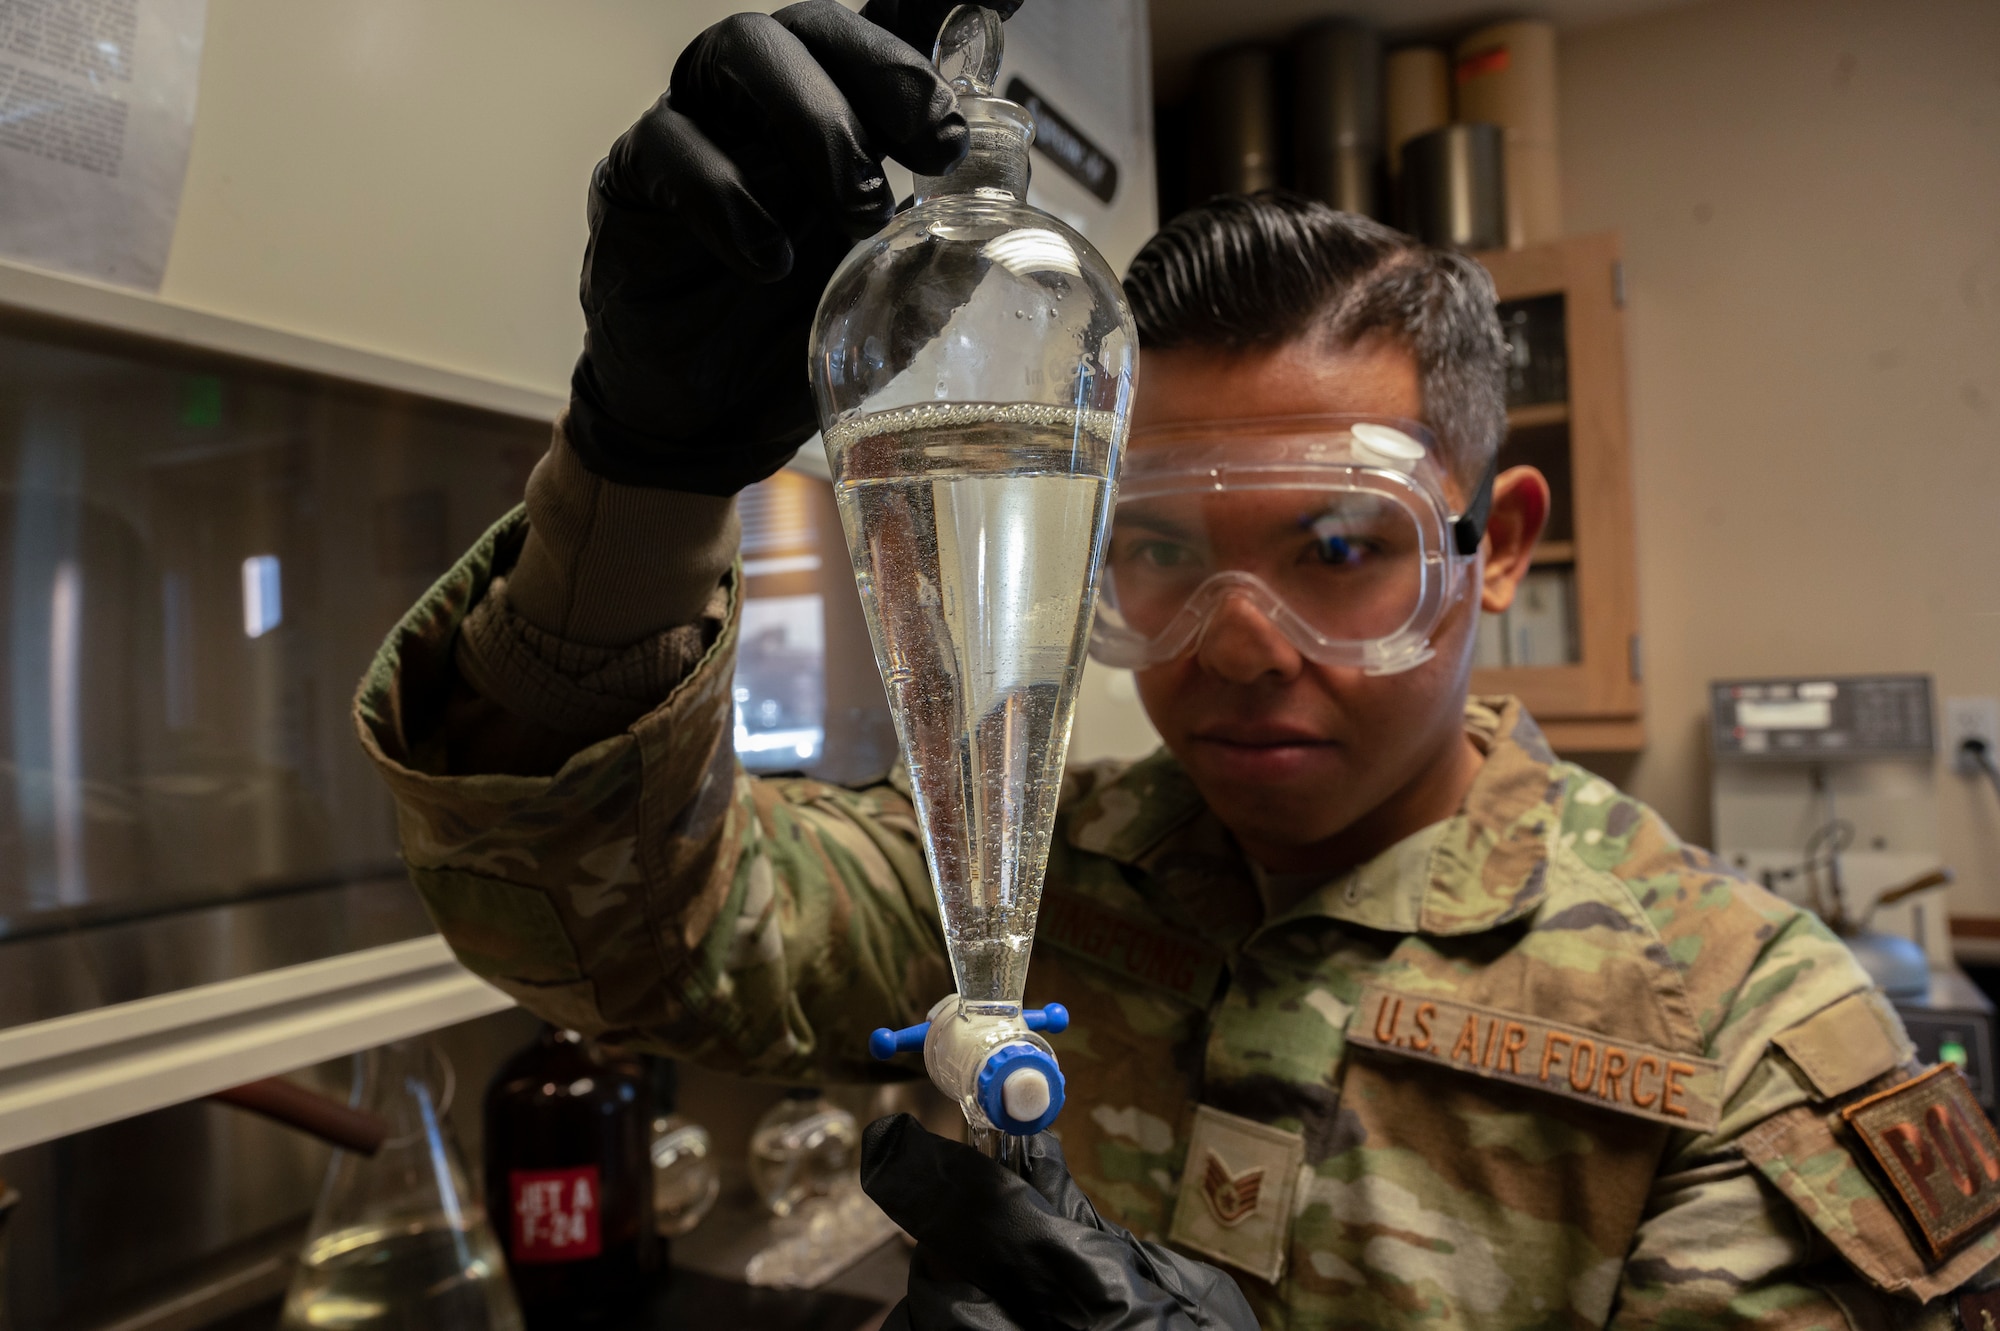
x: 975, y: 532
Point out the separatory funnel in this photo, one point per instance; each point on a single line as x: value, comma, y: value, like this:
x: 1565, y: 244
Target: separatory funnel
x: 973, y: 366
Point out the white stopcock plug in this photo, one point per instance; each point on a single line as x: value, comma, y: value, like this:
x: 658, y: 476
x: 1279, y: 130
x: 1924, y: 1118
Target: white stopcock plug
x: 989, y: 1059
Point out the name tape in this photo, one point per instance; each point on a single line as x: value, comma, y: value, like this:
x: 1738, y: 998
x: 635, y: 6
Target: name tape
x: 1620, y: 1075
x: 1137, y: 949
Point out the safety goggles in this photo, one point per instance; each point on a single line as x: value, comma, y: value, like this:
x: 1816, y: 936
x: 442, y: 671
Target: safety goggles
x: 1336, y: 529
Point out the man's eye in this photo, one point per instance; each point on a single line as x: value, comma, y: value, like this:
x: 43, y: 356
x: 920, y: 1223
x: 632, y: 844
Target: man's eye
x: 1160, y: 554
x: 1338, y: 549
x: 1338, y: 541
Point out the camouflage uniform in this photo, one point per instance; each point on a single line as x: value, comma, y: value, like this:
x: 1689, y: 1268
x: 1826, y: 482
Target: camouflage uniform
x: 1540, y: 1065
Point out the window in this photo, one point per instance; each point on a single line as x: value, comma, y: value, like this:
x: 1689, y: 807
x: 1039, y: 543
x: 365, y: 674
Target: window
x: 198, y: 558
x: 808, y: 698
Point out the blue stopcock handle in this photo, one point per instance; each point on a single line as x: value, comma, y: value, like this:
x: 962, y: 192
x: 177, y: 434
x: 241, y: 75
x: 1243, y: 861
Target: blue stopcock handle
x: 1020, y: 1088
x: 885, y: 1042
x: 1050, y: 1020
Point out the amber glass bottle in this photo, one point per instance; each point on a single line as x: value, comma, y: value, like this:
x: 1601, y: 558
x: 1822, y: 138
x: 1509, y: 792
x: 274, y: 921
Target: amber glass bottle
x: 569, y: 1179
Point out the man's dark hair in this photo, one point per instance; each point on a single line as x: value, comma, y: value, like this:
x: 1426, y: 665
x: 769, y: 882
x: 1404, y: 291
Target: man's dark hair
x: 1251, y: 271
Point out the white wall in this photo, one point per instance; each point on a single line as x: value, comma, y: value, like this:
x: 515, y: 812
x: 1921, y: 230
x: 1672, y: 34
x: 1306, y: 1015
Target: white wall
x: 1809, y: 192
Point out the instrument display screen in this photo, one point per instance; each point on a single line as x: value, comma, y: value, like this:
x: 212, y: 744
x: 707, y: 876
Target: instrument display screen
x: 1784, y: 714
x: 1824, y: 719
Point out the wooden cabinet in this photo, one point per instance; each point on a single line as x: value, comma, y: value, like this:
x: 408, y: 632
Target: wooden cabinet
x: 1570, y: 648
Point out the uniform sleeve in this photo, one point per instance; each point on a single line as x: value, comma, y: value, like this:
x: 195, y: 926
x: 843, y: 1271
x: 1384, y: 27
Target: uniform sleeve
x: 605, y: 604
x: 1770, y: 1221
x: 647, y: 889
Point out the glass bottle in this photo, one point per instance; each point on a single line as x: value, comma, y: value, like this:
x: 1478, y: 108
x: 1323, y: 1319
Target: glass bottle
x: 803, y: 1147
x: 568, y: 1167
x: 398, y: 1242
x: 973, y: 365
x: 686, y: 1180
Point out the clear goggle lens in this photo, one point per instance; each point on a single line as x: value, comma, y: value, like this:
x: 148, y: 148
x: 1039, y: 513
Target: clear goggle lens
x: 1346, y: 551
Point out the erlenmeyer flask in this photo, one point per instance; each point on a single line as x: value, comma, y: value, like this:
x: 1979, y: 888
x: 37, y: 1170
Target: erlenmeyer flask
x: 973, y: 364
x: 398, y: 1242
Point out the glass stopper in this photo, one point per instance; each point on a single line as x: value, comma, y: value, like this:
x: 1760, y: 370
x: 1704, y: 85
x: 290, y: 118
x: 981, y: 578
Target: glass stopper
x: 967, y: 55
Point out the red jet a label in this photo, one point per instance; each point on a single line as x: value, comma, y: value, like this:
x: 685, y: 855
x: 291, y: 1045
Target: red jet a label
x: 556, y: 1214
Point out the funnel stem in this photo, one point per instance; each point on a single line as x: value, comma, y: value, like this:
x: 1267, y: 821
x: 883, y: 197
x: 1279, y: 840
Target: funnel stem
x: 1009, y: 1150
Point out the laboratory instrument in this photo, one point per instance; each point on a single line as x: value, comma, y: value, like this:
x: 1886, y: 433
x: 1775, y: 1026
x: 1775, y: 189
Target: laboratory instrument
x: 1825, y: 791
x: 398, y: 1239
x: 972, y: 364
x: 686, y: 1175
x: 803, y: 1147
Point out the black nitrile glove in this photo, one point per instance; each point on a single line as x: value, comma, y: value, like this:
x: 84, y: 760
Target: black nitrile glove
x: 1001, y: 1253
x: 717, y: 220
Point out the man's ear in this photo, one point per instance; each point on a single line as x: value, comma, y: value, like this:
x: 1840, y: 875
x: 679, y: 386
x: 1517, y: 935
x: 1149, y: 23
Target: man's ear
x: 1520, y: 511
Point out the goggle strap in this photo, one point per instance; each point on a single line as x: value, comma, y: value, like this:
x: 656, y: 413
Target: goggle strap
x: 1469, y: 528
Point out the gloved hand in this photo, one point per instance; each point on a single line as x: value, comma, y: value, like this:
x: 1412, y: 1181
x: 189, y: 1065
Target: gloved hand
x: 718, y: 218
x: 998, y: 1252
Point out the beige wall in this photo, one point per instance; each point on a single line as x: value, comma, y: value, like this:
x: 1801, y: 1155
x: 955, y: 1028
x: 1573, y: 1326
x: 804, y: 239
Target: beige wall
x: 409, y: 178
x: 1809, y: 192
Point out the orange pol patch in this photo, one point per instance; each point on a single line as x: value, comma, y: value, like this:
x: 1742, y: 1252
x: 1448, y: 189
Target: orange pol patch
x: 1938, y: 1151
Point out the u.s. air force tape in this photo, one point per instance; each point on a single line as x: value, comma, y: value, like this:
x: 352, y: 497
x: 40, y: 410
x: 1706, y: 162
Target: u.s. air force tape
x: 1616, y: 1074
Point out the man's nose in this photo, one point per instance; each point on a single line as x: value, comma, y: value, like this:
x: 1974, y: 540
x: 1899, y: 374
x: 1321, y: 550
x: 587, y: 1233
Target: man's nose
x: 1240, y: 644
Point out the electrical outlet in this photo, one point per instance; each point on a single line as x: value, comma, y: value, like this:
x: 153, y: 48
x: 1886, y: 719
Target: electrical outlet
x: 1970, y: 718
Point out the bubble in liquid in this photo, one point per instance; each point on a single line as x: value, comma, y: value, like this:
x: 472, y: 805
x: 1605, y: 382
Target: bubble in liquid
x: 1017, y: 314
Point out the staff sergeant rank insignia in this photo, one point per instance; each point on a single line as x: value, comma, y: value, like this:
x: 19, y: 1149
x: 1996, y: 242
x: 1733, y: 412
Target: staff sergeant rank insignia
x: 1939, y: 1152
x: 1231, y: 1197
x: 1235, y: 1203
x: 1621, y: 1075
